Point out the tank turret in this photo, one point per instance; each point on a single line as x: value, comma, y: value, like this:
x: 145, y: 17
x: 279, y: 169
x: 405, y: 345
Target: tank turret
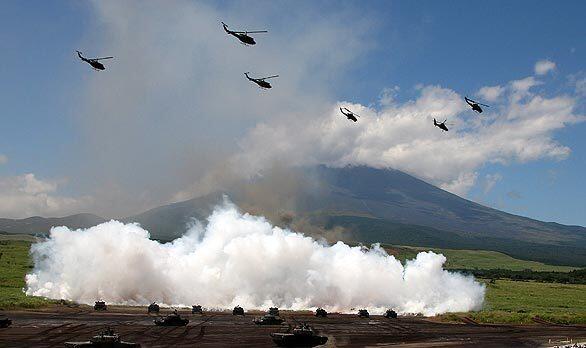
x: 238, y: 310
x: 391, y: 314
x: 100, y: 306
x: 363, y: 313
x: 196, y: 309
x: 153, y: 308
x: 320, y: 312
x: 106, y: 338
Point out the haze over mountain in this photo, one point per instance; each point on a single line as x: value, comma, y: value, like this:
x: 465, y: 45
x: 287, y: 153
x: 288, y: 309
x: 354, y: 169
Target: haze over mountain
x: 359, y: 204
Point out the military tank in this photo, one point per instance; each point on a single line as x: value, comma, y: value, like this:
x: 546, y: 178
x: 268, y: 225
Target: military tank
x: 302, y: 336
x: 363, y: 313
x: 238, y: 311
x: 107, y: 338
x: 391, y: 314
x: 153, y: 308
x: 271, y: 318
x: 196, y: 309
x: 100, y: 306
x: 5, y: 322
x: 173, y: 319
x: 320, y: 312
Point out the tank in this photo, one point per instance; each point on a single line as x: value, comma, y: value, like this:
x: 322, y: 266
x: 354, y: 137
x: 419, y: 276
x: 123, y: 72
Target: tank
x: 238, y: 310
x: 5, y: 322
x: 320, y: 312
x: 153, y: 308
x: 107, y: 338
x: 173, y: 319
x: 100, y: 306
x: 391, y: 314
x: 301, y: 336
x: 196, y: 309
x: 363, y: 313
x: 271, y: 318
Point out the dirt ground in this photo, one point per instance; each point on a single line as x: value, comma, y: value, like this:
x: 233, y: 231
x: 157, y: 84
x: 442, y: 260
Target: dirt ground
x: 55, y: 326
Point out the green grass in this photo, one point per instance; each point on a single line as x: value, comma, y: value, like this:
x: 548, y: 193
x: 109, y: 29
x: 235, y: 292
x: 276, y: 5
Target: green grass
x: 518, y: 302
x: 476, y: 259
x: 15, y: 262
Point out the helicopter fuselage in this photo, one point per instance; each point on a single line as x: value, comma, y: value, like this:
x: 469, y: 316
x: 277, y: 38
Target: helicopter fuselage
x: 97, y: 65
x: 261, y: 83
x: 477, y: 108
x: 245, y: 38
x: 441, y: 126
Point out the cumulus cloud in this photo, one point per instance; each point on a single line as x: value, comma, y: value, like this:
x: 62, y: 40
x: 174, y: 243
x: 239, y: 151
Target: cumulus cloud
x: 402, y: 136
x: 239, y: 259
x: 26, y: 195
x: 542, y: 67
x: 491, y: 93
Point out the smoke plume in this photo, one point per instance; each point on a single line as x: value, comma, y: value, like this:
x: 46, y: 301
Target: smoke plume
x: 241, y: 259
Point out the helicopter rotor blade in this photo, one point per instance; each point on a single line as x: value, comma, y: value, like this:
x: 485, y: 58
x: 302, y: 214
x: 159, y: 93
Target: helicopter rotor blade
x: 270, y: 77
x: 484, y: 105
x: 103, y: 58
x: 256, y: 31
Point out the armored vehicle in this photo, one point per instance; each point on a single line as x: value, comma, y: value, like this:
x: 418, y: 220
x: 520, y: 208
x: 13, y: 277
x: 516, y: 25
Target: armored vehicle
x: 301, y: 336
x: 271, y: 318
x: 391, y: 314
x: 153, y: 308
x: 196, y: 309
x: 238, y: 310
x: 320, y: 312
x: 107, y: 338
x: 100, y: 306
x: 363, y: 313
x: 5, y: 322
x: 173, y: 319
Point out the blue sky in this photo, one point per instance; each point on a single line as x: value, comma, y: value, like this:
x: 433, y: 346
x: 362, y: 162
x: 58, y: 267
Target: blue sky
x: 46, y: 93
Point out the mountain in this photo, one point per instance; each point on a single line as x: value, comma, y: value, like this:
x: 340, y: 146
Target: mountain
x: 40, y: 225
x: 386, y: 206
x: 368, y: 205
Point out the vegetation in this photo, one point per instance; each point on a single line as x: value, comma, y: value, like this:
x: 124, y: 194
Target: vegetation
x: 572, y: 277
x: 15, y: 262
x: 521, y: 302
x: 476, y: 259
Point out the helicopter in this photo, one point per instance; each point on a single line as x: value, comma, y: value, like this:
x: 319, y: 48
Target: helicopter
x: 440, y: 125
x: 475, y: 105
x: 243, y: 35
x: 261, y: 82
x: 94, y: 62
x: 349, y: 114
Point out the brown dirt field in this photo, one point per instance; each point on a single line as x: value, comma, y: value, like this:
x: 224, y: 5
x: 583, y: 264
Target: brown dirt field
x: 54, y: 326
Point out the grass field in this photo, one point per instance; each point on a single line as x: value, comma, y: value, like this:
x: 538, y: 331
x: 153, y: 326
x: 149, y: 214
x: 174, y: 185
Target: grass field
x: 14, y: 264
x: 476, y: 259
x: 518, y: 302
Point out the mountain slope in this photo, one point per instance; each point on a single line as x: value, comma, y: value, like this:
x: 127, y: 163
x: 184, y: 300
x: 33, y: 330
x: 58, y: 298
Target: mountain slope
x: 40, y: 225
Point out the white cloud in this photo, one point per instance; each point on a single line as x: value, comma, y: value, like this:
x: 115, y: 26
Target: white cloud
x: 402, y: 136
x: 490, y: 180
x: 492, y: 93
x: 25, y: 195
x: 542, y: 67
x: 3, y: 159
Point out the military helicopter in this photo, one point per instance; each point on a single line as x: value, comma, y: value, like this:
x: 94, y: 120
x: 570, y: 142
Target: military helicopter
x: 94, y: 62
x: 349, y: 114
x: 243, y: 35
x: 440, y: 125
x: 261, y: 82
x: 475, y: 105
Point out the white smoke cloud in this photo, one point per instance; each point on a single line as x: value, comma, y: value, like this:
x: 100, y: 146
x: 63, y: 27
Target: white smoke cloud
x: 544, y: 66
x: 241, y: 259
